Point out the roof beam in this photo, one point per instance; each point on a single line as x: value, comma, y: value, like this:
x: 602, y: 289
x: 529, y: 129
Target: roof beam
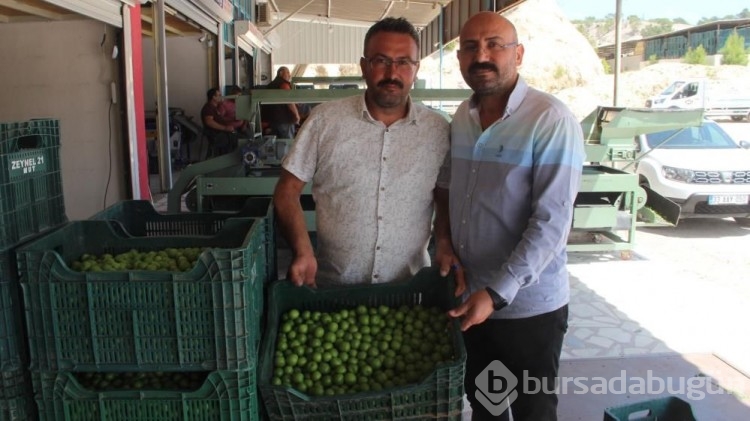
x: 32, y: 10
x: 387, y: 10
x: 170, y: 28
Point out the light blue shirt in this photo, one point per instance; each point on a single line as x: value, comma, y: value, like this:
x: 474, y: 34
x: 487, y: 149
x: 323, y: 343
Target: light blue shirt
x: 512, y: 189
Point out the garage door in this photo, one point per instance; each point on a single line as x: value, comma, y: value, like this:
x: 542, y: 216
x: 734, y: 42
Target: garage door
x: 109, y: 11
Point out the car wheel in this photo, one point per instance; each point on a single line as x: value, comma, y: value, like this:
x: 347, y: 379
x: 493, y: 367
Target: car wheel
x: 737, y: 118
x: 743, y: 222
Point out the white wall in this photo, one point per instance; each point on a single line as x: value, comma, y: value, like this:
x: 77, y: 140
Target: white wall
x: 187, y: 74
x: 58, y: 70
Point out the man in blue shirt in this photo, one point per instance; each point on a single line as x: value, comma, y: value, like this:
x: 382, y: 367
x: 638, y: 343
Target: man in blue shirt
x: 516, y: 160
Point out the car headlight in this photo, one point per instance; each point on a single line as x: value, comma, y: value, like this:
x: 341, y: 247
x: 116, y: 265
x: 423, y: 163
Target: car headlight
x: 678, y: 174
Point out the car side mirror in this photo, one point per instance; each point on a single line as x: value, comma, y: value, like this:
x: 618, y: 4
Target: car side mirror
x: 744, y: 144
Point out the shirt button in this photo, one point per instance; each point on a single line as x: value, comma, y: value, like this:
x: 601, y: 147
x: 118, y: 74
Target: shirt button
x: 383, y: 158
x: 375, y: 276
x: 377, y: 248
x: 380, y: 218
x: 473, y: 170
x: 382, y: 189
x: 468, y: 196
x: 461, y: 246
x: 463, y: 222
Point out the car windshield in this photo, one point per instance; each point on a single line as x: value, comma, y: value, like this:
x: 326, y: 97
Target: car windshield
x: 707, y: 136
x: 672, y: 88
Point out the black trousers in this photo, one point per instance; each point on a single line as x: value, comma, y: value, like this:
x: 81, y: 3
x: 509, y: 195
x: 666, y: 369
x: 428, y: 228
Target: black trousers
x: 530, y: 345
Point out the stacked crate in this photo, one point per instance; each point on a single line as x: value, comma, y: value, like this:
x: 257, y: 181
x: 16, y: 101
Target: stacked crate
x: 201, y: 326
x: 31, y: 202
x: 437, y: 396
x: 15, y: 386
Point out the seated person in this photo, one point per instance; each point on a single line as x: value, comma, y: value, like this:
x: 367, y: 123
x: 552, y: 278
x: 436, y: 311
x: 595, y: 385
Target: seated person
x: 230, y: 112
x: 221, y: 135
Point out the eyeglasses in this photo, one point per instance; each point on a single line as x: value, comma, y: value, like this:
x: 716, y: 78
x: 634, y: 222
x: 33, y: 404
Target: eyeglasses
x: 492, y: 47
x: 382, y: 63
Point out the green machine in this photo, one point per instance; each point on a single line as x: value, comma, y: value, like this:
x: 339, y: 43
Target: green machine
x: 610, y: 203
x: 607, y: 209
x: 221, y: 183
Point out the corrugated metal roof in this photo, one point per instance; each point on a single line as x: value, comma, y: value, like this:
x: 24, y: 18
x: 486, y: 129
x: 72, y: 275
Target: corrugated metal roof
x: 419, y: 12
x: 302, y: 42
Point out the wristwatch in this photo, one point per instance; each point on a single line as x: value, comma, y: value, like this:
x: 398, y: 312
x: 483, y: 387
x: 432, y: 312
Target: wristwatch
x: 498, y: 302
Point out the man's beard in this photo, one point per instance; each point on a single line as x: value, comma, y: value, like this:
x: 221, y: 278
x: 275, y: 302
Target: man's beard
x: 484, y: 86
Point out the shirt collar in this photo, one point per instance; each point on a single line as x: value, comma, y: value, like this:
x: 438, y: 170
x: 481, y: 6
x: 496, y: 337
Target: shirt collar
x: 411, y: 116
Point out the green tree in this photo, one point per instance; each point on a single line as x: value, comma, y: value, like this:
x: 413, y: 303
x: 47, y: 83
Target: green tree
x: 451, y: 46
x: 607, y: 68
x: 657, y: 27
x: 680, y: 21
x: 653, y: 59
x: 733, y: 50
x: 697, y: 56
x: 744, y: 14
x: 634, y: 21
x: 706, y: 20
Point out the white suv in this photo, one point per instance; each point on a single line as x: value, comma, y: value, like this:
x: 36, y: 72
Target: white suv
x: 702, y: 169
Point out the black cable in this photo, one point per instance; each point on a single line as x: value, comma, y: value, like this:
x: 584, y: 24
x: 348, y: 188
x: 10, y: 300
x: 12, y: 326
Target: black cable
x: 109, y: 176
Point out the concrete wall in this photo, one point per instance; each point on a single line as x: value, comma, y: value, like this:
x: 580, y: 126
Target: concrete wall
x: 187, y: 74
x: 59, y: 70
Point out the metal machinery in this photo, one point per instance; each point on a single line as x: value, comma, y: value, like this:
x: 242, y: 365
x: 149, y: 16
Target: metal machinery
x: 607, y: 207
x: 253, y: 170
x: 610, y: 203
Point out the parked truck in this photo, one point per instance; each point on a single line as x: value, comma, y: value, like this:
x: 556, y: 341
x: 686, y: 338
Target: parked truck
x: 716, y: 98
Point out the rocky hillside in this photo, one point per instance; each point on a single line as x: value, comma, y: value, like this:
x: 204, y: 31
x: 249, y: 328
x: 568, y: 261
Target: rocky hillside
x: 560, y: 60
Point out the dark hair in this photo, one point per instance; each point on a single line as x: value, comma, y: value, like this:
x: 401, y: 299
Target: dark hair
x: 211, y: 92
x: 235, y: 90
x: 281, y: 69
x: 398, y: 25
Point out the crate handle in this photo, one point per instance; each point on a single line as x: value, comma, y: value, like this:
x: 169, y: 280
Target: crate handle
x: 29, y: 141
x: 298, y: 394
x: 643, y: 415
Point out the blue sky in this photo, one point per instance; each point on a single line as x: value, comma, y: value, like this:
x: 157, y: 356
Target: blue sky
x: 690, y: 10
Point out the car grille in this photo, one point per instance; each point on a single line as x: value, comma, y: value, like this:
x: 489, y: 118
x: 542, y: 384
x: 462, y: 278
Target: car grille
x: 721, y: 177
x: 706, y: 209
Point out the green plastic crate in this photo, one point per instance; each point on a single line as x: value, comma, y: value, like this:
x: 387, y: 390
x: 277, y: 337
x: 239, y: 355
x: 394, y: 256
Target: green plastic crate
x: 139, y: 218
x: 663, y: 409
x: 16, y: 401
x: 31, y: 194
x: 224, y: 396
x: 13, y: 355
x: 205, y: 319
x: 439, y: 396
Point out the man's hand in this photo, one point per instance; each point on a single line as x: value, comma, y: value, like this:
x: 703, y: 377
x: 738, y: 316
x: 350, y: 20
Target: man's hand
x: 302, y: 270
x: 475, y: 310
x: 447, y: 261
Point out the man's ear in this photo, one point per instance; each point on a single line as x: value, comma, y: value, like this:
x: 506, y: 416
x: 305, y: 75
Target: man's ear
x: 519, y: 54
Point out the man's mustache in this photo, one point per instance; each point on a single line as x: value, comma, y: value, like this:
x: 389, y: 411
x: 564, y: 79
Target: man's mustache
x: 483, y: 66
x: 385, y: 82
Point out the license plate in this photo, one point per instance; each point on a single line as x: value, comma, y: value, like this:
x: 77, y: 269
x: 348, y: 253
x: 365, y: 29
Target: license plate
x: 728, y: 199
